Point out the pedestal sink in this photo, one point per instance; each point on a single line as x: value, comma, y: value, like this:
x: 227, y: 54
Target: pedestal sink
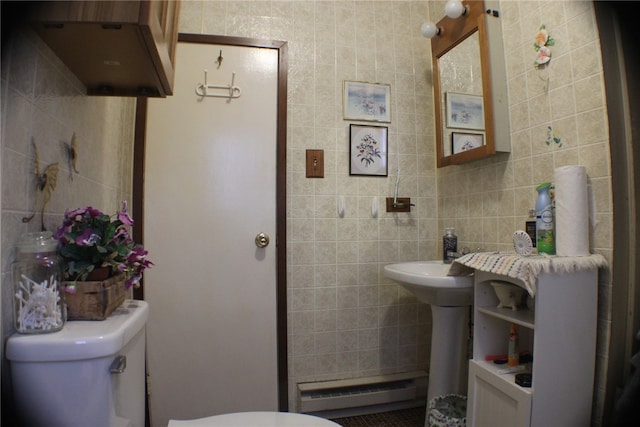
x: 450, y: 298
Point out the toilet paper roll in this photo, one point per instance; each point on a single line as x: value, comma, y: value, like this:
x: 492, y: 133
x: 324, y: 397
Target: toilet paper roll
x: 572, y: 211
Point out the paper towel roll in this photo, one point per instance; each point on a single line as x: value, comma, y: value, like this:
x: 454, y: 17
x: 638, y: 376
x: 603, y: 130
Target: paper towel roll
x: 572, y: 211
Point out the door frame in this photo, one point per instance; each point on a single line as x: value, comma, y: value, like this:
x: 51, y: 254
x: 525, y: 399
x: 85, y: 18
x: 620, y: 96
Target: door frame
x: 281, y: 189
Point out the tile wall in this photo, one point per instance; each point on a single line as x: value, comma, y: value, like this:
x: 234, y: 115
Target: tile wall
x: 345, y: 319
x: 43, y: 105
x: 487, y: 201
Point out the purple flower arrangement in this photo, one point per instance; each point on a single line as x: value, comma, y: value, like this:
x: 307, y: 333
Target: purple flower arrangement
x: 89, y: 239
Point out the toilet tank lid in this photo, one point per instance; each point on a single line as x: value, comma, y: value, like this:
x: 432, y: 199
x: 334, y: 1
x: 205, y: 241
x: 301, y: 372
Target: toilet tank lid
x: 79, y: 339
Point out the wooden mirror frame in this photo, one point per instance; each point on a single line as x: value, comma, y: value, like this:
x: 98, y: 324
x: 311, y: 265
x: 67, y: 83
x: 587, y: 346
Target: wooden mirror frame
x: 454, y: 32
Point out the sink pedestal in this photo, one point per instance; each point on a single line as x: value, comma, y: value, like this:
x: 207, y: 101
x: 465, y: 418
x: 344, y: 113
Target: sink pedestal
x: 448, y: 363
x: 450, y: 298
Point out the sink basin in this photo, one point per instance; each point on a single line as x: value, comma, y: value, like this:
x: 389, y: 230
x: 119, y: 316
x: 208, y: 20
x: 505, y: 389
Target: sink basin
x: 429, y: 282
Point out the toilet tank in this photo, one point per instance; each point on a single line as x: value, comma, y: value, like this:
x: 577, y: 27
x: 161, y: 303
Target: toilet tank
x: 70, y: 377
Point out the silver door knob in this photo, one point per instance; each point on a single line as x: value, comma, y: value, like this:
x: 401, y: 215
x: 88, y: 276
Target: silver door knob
x: 262, y: 240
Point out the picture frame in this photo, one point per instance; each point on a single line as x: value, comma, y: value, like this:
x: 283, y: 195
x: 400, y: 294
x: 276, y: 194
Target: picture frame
x: 463, y: 141
x: 464, y: 111
x: 368, y: 150
x: 366, y: 101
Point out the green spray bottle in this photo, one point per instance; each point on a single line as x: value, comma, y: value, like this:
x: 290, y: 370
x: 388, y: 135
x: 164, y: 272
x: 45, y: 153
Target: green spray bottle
x: 545, y: 233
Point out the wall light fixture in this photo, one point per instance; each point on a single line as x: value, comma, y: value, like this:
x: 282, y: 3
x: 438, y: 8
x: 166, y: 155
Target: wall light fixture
x: 454, y: 9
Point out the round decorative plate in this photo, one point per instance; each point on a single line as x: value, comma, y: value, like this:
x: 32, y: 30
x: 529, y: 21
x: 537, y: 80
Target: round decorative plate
x: 522, y: 243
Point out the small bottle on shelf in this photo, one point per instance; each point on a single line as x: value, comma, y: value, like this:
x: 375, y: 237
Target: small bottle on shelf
x: 513, y: 356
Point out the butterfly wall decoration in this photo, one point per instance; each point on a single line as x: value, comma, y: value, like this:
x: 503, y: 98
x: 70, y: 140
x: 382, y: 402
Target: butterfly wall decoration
x: 46, y: 182
x: 71, y: 150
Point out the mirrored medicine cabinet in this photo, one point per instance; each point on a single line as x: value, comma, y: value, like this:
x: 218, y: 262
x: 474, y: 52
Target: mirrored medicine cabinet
x: 469, y: 82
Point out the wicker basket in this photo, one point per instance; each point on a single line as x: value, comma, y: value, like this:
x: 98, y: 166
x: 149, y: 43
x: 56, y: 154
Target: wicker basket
x: 95, y: 300
x: 449, y: 410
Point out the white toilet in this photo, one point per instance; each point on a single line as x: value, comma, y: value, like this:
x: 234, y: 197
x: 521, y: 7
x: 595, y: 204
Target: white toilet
x: 92, y: 373
x: 72, y: 377
x: 258, y: 418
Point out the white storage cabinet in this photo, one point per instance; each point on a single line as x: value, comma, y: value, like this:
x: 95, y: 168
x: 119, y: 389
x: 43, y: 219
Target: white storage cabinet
x: 560, y: 332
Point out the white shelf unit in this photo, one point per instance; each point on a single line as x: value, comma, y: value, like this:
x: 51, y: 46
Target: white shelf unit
x: 560, y: 333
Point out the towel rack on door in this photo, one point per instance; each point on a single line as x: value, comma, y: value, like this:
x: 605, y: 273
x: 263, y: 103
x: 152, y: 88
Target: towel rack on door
x: 202, y: 89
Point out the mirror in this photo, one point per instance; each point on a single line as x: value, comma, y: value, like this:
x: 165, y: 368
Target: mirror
x: 469, y: 81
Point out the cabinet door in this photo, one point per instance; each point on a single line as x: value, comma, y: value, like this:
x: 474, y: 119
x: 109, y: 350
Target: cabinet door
x: 159, y: 28
x: 494, y: 402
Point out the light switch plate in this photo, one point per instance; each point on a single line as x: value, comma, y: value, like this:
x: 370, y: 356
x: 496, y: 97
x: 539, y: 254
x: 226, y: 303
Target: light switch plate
x: 315, y: 163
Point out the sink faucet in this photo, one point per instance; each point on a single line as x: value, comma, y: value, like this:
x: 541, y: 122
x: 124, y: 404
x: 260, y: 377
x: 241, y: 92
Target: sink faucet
x: 463, y: 251
x: 454, y: 255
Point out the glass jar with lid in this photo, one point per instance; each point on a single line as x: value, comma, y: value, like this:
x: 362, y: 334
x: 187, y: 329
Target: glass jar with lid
x: 37, y: 285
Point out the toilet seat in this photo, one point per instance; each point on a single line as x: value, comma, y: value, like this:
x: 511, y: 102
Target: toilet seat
x: 257, y: 419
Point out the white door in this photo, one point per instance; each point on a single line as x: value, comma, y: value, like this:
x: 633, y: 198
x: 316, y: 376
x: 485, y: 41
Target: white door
x: 210, y: 188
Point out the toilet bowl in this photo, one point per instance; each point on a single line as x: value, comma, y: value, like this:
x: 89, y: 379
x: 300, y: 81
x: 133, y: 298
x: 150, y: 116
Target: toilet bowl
x: 256, y: 419
x: 92, y: 374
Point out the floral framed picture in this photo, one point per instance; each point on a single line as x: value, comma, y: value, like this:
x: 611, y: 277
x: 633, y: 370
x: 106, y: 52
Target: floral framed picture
x: 366, y: 101
x: 368, y: 150
x: 465, y: 111
x: 461, y: 141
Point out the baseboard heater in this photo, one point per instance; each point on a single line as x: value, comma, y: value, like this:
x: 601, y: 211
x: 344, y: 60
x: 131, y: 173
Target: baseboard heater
x: 323, y: 396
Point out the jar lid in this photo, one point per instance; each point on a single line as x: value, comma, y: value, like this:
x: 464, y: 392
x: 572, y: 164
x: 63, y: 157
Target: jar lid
x: 41, y: 241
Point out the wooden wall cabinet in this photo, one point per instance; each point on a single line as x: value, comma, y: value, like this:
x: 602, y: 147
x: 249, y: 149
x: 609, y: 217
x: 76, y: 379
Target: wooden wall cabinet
x: 560, y: 332
x: 468, y: 61
x: 119, y: 48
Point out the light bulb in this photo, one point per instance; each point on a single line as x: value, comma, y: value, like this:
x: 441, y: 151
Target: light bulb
x: 454, y: 9
x: 429, y: 30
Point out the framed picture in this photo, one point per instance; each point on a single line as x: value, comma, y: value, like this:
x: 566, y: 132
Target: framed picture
x: 464, y: 111
x: 368, y: 150
x: 366, y: 101
x: 466, y: 141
